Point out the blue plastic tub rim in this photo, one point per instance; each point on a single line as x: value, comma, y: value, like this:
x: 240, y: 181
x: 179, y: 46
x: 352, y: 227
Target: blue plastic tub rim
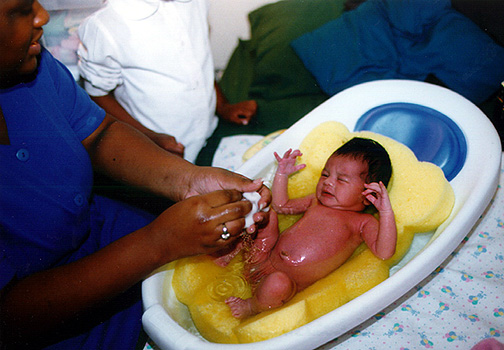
x: 430, y: 134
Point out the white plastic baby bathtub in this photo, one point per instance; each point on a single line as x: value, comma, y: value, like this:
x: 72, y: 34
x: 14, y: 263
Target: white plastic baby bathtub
x: 440, y: 126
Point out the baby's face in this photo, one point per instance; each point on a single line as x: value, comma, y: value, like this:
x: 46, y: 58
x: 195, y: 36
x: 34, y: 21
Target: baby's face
x: 341, y: 183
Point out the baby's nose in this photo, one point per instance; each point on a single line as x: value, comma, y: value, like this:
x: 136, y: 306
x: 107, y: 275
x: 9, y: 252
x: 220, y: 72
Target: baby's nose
x: 329, y: 181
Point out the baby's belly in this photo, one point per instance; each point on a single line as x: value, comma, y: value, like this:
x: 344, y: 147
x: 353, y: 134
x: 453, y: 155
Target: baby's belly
x: 307, y: 263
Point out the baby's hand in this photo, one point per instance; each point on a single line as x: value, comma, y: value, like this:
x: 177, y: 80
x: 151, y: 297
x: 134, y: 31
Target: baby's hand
x: 287, y: 164
x: 377, y: 194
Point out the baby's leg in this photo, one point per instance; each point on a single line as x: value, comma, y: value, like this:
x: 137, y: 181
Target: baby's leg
x: 264, y: 242
x: 273, y: 291
x: 270, y: 232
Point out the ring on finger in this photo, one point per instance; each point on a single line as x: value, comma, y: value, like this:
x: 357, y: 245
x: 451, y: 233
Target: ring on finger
x: 225, y: 232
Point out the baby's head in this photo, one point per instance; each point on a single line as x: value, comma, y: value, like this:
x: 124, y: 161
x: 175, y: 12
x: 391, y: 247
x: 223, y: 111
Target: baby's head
x: 371, y: 153
x: 356, y: 163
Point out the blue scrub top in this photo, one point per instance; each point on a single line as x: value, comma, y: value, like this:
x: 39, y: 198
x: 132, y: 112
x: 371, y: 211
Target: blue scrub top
x: 49, y: 215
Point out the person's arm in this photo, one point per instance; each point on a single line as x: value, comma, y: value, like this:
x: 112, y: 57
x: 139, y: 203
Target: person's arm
x: 281, y: 202
x: 102, y: 72
x: 38, y: 306
x: 123, y: 153
x: 167, y: 142
x: 382, y: 241
x: 239, y: 113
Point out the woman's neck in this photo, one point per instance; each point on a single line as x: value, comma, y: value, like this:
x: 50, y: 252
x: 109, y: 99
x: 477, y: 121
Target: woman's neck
x: 10, y: 80
x: 4, y: 135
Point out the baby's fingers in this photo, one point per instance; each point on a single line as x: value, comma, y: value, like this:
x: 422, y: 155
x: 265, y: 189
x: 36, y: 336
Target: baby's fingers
x: 299, y: 167
x: 296, y: 153
x: 287, y: 153
x: 371, y: 190
x: 265, y: 200
x: 374, y: 186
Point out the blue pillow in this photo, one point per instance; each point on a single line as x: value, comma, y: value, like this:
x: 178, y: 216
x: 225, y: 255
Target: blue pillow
x: 390, y: 39
x: 461, y: 55
x: 413, y: 17
x: 357, y: 47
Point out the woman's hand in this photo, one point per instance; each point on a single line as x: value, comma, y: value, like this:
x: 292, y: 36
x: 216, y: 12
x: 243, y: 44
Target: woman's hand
x: 196, y: 224
x: 208, y: 179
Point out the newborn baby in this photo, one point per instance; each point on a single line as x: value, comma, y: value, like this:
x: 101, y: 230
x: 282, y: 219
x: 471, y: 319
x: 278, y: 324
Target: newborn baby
x: 333, y: 226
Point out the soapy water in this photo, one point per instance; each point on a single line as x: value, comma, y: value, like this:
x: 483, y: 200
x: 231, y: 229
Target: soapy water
x: 228, y: 285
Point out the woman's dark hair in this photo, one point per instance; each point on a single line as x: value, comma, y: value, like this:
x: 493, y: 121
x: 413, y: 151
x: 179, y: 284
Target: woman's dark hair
x: 372, y: 153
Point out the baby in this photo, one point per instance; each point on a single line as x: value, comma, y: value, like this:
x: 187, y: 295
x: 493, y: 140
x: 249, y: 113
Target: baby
x: 332, y: 227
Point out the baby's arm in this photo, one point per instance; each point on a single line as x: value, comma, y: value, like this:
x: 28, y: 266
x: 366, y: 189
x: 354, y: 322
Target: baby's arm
x: 382, y: 243
x: 280, y: 197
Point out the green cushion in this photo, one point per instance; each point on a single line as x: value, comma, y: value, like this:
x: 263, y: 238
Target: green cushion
x: 237, y: 77
x: 271, y: 116
x: 278, y: 72
x: 265, y: 68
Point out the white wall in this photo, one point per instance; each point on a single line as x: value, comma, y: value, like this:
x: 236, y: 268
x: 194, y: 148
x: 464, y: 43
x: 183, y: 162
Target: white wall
x: 70, y: 4
x: 229, y: 22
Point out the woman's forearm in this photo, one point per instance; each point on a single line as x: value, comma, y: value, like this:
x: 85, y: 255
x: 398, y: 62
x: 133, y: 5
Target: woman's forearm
x: 127, y: 155
x: 39, y: 305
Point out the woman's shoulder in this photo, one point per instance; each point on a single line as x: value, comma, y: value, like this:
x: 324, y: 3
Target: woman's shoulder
x: 52, y: 69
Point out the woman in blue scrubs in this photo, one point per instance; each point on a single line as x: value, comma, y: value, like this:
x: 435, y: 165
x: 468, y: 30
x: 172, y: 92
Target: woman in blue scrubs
x: 71, y: 261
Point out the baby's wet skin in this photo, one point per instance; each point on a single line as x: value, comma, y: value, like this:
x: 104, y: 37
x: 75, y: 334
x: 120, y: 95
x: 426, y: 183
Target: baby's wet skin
x: 312, y: 248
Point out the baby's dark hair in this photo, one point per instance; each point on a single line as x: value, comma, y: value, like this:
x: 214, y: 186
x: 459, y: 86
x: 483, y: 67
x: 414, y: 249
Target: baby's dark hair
x: 372, y: 153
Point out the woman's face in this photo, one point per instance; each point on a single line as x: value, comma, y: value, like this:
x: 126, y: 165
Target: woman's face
x: 21, y: 24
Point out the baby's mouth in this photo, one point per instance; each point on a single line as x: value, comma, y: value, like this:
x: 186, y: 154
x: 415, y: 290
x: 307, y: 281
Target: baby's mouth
x: 327, y: 194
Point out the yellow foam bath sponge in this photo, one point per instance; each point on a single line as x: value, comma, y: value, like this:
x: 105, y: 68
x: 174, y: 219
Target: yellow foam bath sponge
x: 359, y: 274
x: 418, y: 191
x: 204, y: 286
x: 284, y: 320
x: 316, y: 147
x: 421, y: 197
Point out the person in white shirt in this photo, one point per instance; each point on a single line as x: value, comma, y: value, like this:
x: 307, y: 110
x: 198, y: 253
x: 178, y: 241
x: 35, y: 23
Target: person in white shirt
x: 149, y: 63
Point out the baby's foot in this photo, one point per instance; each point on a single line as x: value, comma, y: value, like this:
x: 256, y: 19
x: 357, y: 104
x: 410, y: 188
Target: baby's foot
x: 240, y: 308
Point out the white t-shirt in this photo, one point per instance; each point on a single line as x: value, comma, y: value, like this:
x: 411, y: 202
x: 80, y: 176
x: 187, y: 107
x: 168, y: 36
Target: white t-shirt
x: 156, y: 55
